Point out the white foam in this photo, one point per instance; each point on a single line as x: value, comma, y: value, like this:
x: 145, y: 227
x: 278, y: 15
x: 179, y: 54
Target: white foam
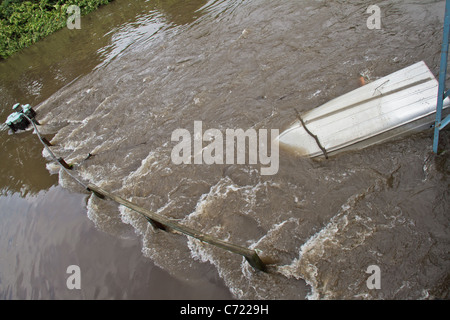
x: 275, y: 228
x: 74, y: 144
x: 155, y: 160
x: 323, y: 240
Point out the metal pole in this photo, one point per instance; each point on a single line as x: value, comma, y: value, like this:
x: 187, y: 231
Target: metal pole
x: 442, y: 76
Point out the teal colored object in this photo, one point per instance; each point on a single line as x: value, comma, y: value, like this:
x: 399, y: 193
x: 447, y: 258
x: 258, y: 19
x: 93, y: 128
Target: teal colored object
x: 14, y: 118
x: 17, y: 107
x: 18, y: 120
x: 442, y: 93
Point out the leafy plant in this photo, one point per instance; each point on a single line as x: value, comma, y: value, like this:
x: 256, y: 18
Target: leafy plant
x: 23, y: 22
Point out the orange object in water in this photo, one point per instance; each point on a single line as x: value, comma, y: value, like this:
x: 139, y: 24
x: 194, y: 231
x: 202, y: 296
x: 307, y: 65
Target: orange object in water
x: 362, y: 81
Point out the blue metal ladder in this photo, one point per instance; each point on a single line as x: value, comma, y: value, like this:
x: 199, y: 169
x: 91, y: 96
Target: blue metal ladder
x: 442, y: 93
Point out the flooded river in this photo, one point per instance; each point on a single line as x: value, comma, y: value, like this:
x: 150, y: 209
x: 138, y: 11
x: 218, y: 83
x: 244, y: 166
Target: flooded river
x: 110, y: 95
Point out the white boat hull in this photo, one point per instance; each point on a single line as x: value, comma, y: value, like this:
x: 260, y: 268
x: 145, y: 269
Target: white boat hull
x: 401, y: 102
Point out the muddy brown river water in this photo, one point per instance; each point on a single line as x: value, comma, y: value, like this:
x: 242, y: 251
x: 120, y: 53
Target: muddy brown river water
x: 137, y: 71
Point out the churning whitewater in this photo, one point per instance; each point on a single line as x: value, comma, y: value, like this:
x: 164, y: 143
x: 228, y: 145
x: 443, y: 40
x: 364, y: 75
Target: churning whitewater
x: 318, y: 224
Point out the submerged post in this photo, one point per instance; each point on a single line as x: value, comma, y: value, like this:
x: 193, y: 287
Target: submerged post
x: 65, y: 164
x: 164, y: 223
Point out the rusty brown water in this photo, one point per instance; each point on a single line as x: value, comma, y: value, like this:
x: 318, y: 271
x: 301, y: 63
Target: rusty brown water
x: 136, y: 72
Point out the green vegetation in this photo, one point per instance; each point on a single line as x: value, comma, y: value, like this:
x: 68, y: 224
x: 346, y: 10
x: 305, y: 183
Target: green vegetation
x: 23, y: 22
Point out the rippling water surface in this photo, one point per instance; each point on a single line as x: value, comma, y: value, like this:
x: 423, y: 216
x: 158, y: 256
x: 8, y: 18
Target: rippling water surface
x: 138, y: 70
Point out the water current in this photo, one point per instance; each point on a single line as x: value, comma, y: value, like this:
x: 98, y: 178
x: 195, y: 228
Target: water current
x: 138, y: 70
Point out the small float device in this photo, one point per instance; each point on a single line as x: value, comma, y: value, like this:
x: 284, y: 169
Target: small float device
x: 19, y: 119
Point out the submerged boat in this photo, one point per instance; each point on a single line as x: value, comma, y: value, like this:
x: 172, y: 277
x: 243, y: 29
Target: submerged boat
x: 402, y: 102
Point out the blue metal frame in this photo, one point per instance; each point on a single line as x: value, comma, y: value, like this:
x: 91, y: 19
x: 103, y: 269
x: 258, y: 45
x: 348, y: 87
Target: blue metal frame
x: 442, y: 94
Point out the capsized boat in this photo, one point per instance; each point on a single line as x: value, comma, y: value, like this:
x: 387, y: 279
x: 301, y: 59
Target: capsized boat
x: 404, y: 101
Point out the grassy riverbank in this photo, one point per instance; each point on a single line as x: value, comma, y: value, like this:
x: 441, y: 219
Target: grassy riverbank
x: 23, y: 22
